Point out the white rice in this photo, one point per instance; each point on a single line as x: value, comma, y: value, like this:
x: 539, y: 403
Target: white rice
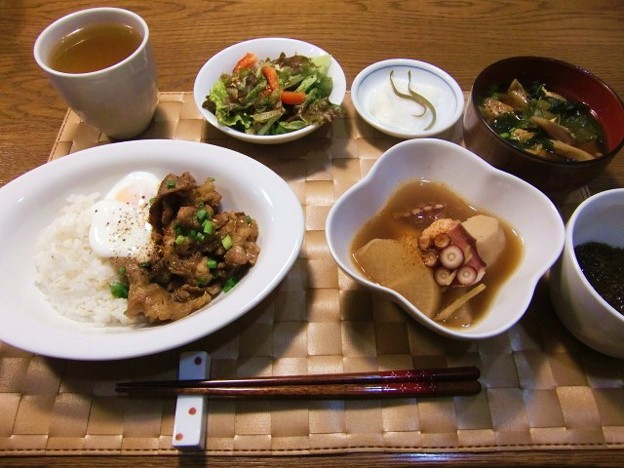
x: 75, y: 281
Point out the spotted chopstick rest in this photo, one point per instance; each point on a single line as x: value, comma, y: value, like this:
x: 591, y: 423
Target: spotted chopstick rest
x: 189, y: 427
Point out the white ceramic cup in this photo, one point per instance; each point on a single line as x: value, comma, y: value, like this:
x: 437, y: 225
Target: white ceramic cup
x: 119, y: 100
x: 581, y: 309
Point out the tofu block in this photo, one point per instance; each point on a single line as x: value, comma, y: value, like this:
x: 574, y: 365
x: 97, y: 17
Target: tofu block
x: 489, y: 234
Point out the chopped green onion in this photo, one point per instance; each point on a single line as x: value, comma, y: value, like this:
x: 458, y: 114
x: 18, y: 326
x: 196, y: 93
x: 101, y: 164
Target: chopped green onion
x: 227, y: 242
x: 229, y: 284
x: 119, y: 289
x: 211, y: 263
x: 202, y: 214
x: 202, y: 282
x: 248, y: 219
x: 146, y: 265
x: 171, y: 184
x: 196, y: 236
x: 179, y: 239
x: 121, y: 270
x: 208, y: 226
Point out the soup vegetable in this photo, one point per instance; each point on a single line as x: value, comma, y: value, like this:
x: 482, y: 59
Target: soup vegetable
x: 544, y: 123
x: 272, y: 97
x: 444, y: 256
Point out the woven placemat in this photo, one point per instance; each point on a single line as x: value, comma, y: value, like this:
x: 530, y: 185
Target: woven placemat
x: 542, y: 388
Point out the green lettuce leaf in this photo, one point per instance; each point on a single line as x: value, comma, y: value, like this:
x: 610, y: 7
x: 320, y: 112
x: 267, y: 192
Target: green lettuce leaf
x: 244, y: 101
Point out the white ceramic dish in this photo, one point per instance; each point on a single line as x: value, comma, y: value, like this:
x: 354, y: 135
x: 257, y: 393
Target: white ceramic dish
x: 31, y: 201
x: 269, y: 47
x: 581, y: 309
x: 375, y: 101
x: 484, y: 187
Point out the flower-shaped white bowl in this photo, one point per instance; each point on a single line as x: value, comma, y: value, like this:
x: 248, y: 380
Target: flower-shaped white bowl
x: 268, y: 47
x: 31, y: 201
x: 581, y: 309
x: 375, y: 101
x: 484, y: 187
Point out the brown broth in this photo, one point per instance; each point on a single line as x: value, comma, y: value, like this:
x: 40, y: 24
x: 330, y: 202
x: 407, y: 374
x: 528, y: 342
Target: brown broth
x: 385, y: 225
x: 94, y: 48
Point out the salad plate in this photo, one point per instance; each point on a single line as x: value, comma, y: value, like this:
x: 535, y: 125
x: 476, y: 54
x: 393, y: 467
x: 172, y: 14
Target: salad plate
x: 33, y: 200
x: 263, y: 48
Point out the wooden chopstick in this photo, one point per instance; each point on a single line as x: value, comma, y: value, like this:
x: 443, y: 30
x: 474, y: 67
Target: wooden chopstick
x: 393, y: 376
x: 398, y: 390
x: 405, y: 383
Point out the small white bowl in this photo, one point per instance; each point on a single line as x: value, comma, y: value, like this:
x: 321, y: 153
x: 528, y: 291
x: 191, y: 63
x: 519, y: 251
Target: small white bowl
x: 482, y: 186
x: 268, y: 47
x: 582, y: 310
x: 377, y: 104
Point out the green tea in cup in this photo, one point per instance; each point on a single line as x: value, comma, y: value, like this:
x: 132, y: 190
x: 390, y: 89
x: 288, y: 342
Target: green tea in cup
x: 94, y: 47
x: 101, y: 61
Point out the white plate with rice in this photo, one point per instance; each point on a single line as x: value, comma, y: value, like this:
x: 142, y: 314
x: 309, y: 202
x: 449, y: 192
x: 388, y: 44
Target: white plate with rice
x: 77, y: 318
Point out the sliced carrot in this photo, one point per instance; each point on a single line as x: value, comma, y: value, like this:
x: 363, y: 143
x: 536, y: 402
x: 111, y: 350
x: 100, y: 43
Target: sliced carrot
x: 271, y: 75
x: 293, y: 97
x: 248, y: 60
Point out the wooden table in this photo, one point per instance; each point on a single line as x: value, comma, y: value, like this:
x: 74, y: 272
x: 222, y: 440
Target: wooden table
x: 461, y: 37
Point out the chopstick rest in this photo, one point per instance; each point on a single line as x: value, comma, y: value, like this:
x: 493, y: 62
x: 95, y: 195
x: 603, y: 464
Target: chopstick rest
x: 189, y: 426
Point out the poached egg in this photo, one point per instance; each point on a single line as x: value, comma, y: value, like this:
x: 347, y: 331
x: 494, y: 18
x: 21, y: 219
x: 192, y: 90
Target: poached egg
x: 119, y: 222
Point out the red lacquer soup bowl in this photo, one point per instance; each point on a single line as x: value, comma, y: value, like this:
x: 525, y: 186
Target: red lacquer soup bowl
x: 572, y: 82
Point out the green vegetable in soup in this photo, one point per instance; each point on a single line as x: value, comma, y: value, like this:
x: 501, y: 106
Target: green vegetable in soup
x: 543, y: 123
